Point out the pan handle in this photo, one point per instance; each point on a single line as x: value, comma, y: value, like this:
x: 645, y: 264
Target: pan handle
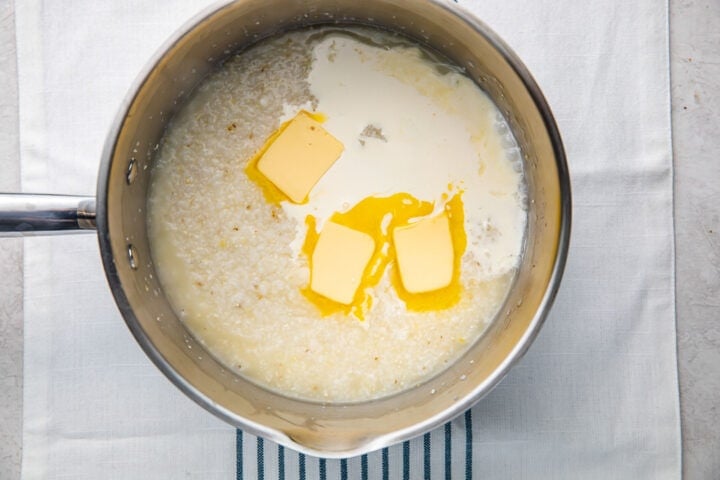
x: 29, y: 214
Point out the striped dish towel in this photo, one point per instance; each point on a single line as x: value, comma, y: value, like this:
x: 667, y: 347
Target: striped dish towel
x: 595, y: 397
x: 444, y: 453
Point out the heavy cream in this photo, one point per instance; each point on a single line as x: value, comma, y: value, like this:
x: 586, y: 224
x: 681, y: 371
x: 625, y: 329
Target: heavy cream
x: 408, y: 126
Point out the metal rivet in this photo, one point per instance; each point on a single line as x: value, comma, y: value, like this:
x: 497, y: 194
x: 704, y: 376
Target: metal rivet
x: 131, y: 173
x: 132, y: 257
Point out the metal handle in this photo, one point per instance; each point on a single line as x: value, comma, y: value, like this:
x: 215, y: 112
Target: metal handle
x: 27, y: 214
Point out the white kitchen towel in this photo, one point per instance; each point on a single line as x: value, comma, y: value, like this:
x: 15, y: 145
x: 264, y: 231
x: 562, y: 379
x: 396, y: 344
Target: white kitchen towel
x: 595, y: 397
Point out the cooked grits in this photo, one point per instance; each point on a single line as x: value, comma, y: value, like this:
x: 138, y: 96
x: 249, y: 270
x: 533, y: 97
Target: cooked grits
x: 231, y: 260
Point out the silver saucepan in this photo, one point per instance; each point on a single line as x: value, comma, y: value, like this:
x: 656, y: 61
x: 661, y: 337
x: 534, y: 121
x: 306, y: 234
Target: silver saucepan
x: 117, y: 214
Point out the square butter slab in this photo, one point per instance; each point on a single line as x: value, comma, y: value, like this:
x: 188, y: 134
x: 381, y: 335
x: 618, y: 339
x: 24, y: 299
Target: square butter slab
x: 424, y: 252
x: 299, y: 157
x: 338, y: 262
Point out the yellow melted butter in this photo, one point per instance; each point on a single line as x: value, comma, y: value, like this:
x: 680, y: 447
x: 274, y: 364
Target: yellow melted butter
x: 272, y: 194
x: 377, y: 217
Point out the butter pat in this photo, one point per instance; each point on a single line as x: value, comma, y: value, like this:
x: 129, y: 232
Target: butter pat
x: 338, y: 262
x: 425, y: 254
x: 299, y: 157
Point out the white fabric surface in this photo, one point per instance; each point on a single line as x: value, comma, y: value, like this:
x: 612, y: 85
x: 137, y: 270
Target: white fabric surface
x: 596, y: 395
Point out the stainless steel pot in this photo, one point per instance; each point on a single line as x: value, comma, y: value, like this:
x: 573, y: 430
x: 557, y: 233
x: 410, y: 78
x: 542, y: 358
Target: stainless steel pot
x: 329, y: 430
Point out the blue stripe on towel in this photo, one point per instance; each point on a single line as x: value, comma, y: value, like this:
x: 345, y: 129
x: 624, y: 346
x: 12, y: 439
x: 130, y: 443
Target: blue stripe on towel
x: 239, y: 454
x: 468, y: 445
x: 426, y: 455
x: 385, y: 464
x: 364, y: 467
x: 343, y: 469
x: 448, y: 451
x: 323, y: 469
x: 260, y: 458
x: 301, y: 466
x: 281, y: 462
x: 406, y: 460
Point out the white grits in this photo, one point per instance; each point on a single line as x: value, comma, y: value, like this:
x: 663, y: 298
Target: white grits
x: 230, y: 263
